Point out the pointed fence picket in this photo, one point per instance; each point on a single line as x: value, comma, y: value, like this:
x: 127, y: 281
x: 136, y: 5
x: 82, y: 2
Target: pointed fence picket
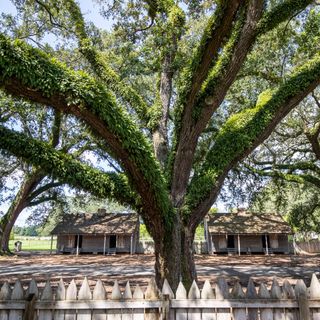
x: 211, y: 303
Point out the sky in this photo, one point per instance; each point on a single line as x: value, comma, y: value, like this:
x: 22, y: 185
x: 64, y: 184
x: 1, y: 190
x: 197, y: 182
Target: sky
x: 91, y: 13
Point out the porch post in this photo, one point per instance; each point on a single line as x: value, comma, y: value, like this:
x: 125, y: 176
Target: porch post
x: 131, y: 244
x: 51, y: 244
x: 206, y: 236
x: 239, y: 246
x: 78, y: 240
x: 267, y: 249
x: 104, y: 244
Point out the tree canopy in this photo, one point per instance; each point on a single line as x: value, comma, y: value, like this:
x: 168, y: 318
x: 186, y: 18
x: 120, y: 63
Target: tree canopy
x: 154, y: 92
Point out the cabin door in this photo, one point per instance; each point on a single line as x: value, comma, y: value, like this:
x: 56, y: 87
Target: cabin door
x: 76, y: 241
x: 264, y: 243
x: 231, y: 241
x: 113, y: 241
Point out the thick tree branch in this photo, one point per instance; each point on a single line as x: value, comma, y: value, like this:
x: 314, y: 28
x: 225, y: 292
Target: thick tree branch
x: 219, y: 80
x: 244, y: 131
x: 28, y: 73
x: 67, y: 170
x: 42, y: 189
x: 102, y: 69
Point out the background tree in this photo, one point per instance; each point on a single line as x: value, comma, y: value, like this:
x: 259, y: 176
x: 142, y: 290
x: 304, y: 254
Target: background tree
x: 35, y: 187
x: 172, y: 185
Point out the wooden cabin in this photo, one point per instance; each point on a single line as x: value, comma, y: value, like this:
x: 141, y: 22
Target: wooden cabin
x: 101, y: 232
x: 247, y: 233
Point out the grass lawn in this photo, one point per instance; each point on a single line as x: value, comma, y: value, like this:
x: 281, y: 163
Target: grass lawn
x: 34, y: 243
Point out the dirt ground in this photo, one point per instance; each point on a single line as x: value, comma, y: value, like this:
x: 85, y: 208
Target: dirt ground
x: 139, y: 268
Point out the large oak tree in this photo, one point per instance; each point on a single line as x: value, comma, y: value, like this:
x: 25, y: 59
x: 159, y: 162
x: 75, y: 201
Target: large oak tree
x: 156, y: 139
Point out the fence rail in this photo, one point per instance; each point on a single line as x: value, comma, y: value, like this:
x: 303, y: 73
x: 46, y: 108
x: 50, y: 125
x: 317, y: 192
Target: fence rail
x: 218, y: 302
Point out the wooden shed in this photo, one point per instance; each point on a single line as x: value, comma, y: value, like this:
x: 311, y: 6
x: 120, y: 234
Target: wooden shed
x: 100, y: 232
x: 246, y: 233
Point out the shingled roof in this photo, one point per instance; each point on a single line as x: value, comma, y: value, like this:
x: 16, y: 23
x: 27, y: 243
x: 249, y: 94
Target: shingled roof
x: 244, y: 222
x: 98, y: 223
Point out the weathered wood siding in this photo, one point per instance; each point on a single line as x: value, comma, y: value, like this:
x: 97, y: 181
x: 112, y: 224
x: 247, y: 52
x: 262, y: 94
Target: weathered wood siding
x: 65, y: 241
x: 95, y: 243
x: 92, y: 243
x: 251, y: 243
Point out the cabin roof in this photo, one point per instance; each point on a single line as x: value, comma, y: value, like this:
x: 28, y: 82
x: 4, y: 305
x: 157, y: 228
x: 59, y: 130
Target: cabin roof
x: 243, y: 222
x: 98, y: 223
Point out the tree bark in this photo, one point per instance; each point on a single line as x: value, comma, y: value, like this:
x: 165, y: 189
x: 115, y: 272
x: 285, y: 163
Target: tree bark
x: 168, y: 256
x: 19, y: 203
x: 174, y: 253
x: 159, y: 135
x: 188, y: 267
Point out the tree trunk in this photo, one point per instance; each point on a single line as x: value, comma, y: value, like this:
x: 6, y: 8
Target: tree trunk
x: 19, y: 203
x: 168, y: 256
x: 175, y: 257
x: 8, y: 222
x: 188, y: 267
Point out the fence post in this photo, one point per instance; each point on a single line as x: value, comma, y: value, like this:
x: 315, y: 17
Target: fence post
x: 222, y: 292
x: 237, y: 293
x: 276, y: 293
x: 71, y: 294
x: 315, y: 294
x: 99, y: 293
x: 127, y: 295
x: 152, y: 294
x: 5, y: 294
x: 288, y: 293
x: 84, y: 294
x: 17, y: 294
x: 265, y: 313
x: 138, y: 314
x: 46, y: 296
x: 207, y: 293
x: 29, y: 312
x: 115, y: 314
x: 194, y: 293
x: 181, y: 293
x: 60, y: 295
x: 168, y: 295
x: 301, y: 294
x: 252, y: 294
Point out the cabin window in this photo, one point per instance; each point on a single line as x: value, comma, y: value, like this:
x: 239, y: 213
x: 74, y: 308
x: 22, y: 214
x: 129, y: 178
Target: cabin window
x: 231, y: 241
x: 113, y: 241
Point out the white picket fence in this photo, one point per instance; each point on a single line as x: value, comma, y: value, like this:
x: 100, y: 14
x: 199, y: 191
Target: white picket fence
x: 215, y: 303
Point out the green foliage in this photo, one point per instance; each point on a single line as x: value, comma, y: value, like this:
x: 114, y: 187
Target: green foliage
x: 67, y: 169
x: 144, y: 234
x: 240, y: 132
x: 26, y: 231
x: 37, y: 70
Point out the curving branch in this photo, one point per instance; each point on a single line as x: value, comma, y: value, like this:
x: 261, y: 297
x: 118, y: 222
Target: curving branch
x: 66, y: 169
x: 101, y: 68
x: 29, y: 73
x: 244, y: 131
x: 221, y: 76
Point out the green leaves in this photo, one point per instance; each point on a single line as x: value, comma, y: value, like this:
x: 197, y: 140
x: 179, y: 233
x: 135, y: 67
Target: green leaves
x: 68, y: 170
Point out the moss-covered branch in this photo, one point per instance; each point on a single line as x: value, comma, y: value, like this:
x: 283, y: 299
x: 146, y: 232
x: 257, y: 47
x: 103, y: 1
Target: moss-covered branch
x: 102, y: 69
x: 66, y: 169
x: 220, y: 78
x: 29, y: 73
x: 244, y: 131
x: 301, y: 178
